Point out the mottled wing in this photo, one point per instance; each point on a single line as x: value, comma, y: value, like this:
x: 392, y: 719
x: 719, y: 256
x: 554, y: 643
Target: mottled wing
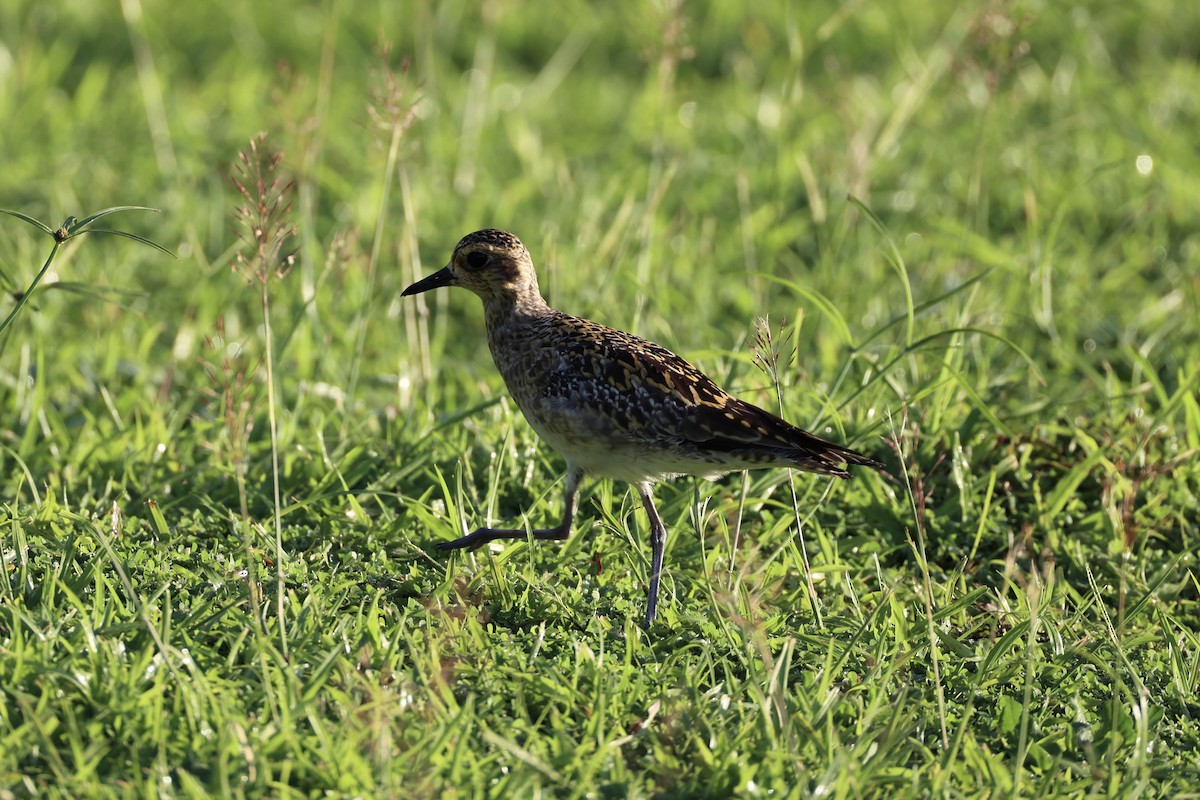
x: 660, y: 396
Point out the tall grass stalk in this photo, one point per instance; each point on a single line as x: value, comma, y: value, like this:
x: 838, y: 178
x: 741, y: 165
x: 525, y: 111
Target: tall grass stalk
x: 766, y: 355
x: 392, y: 112
x: 265, y: 229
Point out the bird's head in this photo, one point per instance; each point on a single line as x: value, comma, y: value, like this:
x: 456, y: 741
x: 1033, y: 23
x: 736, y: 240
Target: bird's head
x: 491, y: 263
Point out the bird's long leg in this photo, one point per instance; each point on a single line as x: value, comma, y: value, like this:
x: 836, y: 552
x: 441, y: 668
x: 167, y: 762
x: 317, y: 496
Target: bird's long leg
x: 658, y: 544
x: 560, y: 531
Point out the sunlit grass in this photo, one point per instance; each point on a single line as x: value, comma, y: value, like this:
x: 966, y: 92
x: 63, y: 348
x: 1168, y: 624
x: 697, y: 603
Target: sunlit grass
x: 969, y: 231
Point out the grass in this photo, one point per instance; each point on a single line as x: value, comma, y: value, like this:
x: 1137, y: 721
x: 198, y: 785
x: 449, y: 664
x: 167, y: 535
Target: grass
x: 970, y: 229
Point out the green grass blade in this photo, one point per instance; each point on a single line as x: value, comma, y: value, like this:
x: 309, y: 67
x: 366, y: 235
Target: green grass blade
x: 34, y: 222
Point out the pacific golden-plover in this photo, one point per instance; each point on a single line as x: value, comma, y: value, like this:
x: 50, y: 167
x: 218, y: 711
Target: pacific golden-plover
x: 612, y: 404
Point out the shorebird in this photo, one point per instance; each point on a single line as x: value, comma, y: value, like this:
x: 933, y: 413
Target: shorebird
x: 612, y: 404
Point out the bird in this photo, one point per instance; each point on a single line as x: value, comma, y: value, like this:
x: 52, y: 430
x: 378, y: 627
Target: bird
x: 612, y: 404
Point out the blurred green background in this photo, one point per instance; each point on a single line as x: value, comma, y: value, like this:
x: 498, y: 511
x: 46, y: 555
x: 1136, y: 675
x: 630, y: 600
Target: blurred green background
x: 728, y: 135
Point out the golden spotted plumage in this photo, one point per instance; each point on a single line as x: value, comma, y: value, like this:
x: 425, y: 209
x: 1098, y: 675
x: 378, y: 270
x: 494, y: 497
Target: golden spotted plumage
x: 613, y: 404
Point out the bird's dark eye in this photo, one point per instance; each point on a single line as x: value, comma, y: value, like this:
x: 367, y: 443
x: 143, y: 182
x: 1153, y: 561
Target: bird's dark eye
x: 476, y: 259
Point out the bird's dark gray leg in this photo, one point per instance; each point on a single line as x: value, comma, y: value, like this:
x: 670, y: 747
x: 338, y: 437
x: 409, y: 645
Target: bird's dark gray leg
x: 560, y: 531
x: 658, y: 544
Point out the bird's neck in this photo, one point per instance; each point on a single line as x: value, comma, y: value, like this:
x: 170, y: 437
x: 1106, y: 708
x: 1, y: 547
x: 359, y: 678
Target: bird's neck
x: 509, y: 309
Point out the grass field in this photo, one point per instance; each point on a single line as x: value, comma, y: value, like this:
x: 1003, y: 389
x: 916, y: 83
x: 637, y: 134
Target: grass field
x: 967, y: 230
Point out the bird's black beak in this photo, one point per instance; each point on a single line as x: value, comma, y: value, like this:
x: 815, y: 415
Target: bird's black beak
x: 443, y: 277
